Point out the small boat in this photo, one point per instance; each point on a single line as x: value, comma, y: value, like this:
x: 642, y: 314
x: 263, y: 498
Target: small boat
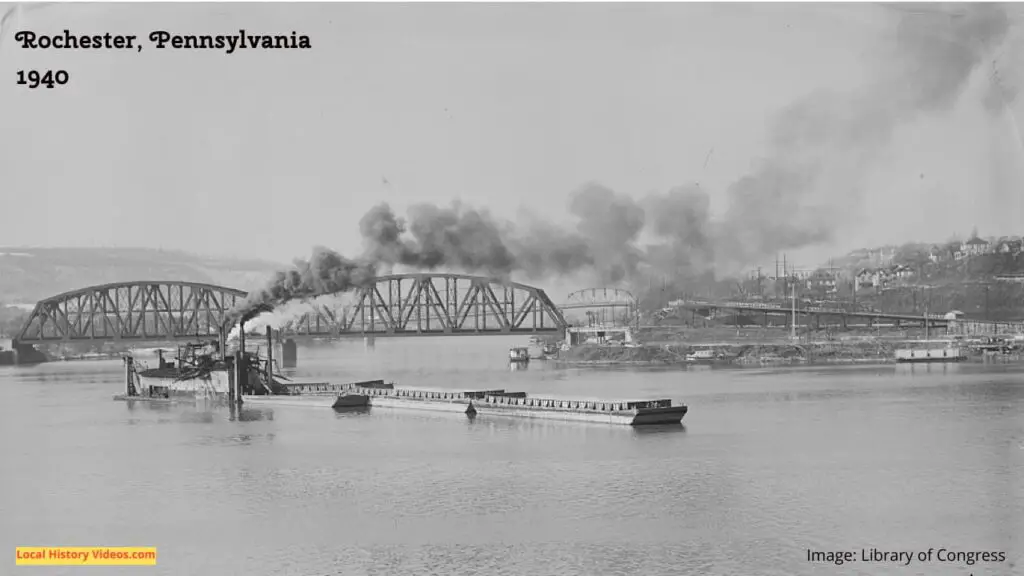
x: 703, y: 356
x: 519, y: 354
x: 943, y: 354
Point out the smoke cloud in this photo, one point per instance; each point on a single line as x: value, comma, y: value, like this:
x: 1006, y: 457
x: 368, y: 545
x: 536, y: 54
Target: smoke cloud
x: 326, y: 272
x: 823, y: 145
x: 806, y: 185
x: 459, y: 237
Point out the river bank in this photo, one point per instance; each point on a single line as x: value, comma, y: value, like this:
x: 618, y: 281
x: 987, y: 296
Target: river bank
x: 866, y: 351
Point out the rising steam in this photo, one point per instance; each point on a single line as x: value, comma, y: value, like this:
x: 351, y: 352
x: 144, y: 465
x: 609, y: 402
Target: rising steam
x: 820, y: 148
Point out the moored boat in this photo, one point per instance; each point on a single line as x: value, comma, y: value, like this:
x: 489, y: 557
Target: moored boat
x: 519, y: 354
x: 932, y: 352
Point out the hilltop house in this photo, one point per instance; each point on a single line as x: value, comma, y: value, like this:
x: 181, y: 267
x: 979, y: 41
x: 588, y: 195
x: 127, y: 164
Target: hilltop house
x: 881, y: 277
x: 822, y: 281
x: 974, y: 246
x: 1012, y: 246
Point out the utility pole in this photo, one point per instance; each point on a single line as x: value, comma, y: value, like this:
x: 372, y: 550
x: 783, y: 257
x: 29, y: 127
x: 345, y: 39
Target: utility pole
x: 986, y: 302
x: 785, y: 274
x: 792, y: 329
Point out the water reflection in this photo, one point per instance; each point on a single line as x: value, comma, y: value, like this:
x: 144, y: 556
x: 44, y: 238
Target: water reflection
x: 255, y: 414
x: 676, y: 428
x: 927, y: 368
x: 196, y: 417
x: 351, y: 411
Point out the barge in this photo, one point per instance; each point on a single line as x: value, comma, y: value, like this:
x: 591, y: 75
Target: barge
x: 489, y: 403
x: 203, y: 372
x: 631, y: 413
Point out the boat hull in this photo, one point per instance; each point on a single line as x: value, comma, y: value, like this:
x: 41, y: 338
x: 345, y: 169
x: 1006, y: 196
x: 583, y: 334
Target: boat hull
x: 336, y: 401
x: 515, y: 405
x: 639, y: 417
x: 455, y: 406
x: 931, y: 355
x: 214, y: 383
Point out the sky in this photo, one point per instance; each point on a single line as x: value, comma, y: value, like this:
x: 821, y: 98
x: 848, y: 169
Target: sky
x: 509, y: 107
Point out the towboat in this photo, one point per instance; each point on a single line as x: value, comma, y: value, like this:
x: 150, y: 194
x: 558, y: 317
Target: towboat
x: 197, y: 373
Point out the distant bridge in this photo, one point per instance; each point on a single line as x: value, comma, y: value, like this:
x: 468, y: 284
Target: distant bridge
x: 843, y: 316
x: 599, y: 298
x: 604, y: 298
x: 398, y: 305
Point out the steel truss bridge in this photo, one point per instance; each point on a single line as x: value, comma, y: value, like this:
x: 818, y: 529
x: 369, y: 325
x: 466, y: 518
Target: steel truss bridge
x: 604, y: 298
x: 398, y: 305
x: 437, y: 305
x: 140, y: 311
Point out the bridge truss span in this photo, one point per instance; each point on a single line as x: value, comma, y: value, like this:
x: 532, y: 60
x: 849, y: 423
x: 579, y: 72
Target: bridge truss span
x: 435, y: 304
x: 600, y: 298
x: 141, y: 311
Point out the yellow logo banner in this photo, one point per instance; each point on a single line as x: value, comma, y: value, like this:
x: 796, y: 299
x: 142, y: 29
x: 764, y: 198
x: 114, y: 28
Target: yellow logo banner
x: 84, y: 556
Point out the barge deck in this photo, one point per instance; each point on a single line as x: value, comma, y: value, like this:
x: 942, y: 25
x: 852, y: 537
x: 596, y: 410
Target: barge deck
x: 488, y: 403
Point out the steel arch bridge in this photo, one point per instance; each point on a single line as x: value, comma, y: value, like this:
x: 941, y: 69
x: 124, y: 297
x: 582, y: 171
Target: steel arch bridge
x: 435, y: 305
x: 140, y: 311
x: 605, y: 298
x: 600, y: 298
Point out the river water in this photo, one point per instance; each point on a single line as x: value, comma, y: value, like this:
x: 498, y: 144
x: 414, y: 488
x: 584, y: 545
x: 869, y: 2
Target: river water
x: 770, y: 463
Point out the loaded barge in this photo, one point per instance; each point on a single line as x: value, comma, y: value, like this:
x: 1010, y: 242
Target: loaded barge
x: 377, y: 394
x: 202, y: 372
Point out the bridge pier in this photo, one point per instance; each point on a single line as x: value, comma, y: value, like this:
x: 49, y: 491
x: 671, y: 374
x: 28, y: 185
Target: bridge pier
x: 289, y: 353
x: 369, y: 342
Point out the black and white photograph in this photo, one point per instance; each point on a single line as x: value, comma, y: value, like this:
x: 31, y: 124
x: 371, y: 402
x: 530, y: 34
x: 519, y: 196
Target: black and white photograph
x: 512, y: 288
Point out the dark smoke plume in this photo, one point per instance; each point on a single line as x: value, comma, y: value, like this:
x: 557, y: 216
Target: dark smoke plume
x: 809, y: 183
x: 473, y: 241
x: 326, y: 272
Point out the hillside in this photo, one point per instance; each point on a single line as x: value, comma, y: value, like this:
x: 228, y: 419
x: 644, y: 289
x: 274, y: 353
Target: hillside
x: 31, y: 274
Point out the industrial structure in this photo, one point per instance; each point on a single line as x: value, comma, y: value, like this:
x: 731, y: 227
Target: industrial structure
x: 819, y: 317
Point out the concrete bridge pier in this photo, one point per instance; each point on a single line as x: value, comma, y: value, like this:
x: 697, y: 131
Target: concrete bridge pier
x: 289, y: 353
x: 369, y: 342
